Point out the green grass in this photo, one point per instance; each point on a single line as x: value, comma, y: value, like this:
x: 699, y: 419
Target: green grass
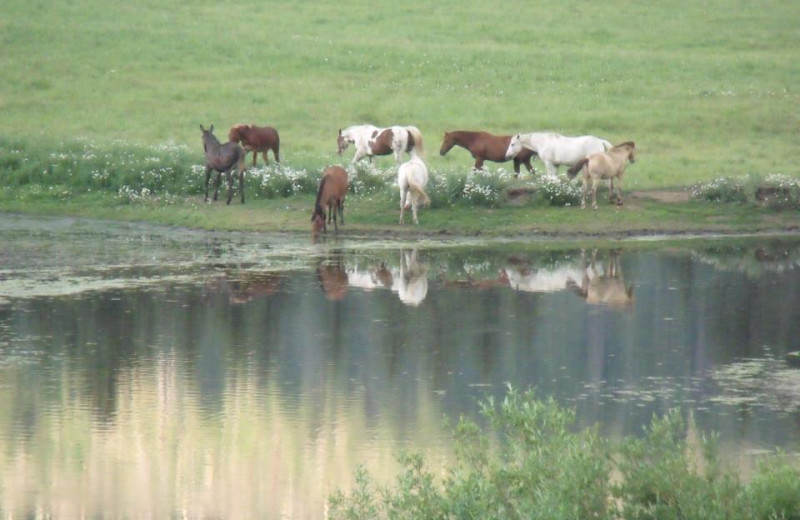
x: 705, y: 89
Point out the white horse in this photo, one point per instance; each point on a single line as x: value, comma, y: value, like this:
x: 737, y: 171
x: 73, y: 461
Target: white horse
x: 412, y: 176
x: 370, y: 140
x: 555, y: 149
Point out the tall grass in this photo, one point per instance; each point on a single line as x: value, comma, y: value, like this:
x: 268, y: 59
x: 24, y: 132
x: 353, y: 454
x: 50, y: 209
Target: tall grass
x: 704, y: 89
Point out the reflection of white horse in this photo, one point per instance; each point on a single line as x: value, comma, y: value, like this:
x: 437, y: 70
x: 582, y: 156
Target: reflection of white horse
x: 541, y: 280
x: 370, y: 140
x: 412, y: 283
x: 555, y: 149
x: 412, y: 176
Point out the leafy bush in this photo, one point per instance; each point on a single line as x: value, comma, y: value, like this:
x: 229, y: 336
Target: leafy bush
x: 531, y: 461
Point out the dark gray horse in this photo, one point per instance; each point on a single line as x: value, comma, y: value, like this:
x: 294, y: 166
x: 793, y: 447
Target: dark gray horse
x: 223, y: 158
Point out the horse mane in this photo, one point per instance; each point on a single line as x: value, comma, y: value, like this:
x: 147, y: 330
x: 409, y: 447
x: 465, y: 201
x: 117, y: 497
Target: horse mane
x: 628, y: 144
x: 317, y: 205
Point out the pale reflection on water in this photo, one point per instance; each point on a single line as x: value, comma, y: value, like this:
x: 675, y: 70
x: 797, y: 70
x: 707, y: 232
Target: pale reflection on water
x: 159, y: 373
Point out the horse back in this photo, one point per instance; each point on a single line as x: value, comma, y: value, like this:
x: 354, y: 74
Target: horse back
x: 381, y: 142
x: 262, y: 137
x: 225, y: 156
x: 332, y: 186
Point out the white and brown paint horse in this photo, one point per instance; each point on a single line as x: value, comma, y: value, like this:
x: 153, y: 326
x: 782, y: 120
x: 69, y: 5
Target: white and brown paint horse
x: 370, y: 141
x: 608, y: 166
x: 555, y: 149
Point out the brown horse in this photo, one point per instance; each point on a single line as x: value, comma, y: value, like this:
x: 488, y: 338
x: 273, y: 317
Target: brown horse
x: 484, y: 146
x: 331, y: 193
x: 223, y: 158
x: 256, y: 139
x: 608, y: 165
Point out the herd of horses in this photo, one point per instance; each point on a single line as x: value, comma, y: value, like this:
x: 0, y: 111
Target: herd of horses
x: 595, y: 159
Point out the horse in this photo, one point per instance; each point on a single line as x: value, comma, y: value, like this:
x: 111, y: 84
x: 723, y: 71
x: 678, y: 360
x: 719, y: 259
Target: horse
x: 223, y: 158
x: 607, y: 288
x: 370, y: 141
x: 484, y: 146
x: 331, y: 193
x: 256, y: 139
x: 555, y: 149
x: 412, y: 176
x: 608, y: 165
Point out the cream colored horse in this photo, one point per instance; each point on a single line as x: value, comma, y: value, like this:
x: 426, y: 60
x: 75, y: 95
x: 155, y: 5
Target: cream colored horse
x: 412, y: 176
x: 609, y: 166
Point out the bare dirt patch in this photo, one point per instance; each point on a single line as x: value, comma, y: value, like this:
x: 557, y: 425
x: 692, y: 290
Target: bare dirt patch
x: 667, y: 196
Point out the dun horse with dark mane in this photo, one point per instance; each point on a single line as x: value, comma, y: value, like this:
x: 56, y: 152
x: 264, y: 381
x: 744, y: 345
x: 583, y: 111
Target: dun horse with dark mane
x: 331, y: 193
x: 223, y: 158
x: 257, y: 139
x: 486, y: 147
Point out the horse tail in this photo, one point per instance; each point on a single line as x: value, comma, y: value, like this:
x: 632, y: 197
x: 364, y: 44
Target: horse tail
x: 417, y: 136
x: 573, y: 171
x: 277, y: 147
x: 416, y: 188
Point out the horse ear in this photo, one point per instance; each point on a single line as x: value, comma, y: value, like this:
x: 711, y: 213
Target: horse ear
x: 202, y: 129
x: 212, y: 128
x: 340, y: 131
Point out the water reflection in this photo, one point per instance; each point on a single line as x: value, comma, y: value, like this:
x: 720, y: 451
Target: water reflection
x: 249, y: 376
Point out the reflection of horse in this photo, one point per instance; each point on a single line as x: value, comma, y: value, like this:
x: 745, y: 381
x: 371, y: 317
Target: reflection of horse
x: 486, y: 147
x: 223, y: 158
x: 555, y: 149
x: 370, y: 140
x: 412, y: 283
x: 333, y: 279
x: 522, y: 278
x: 412, y: 176
x: 331, y: 193
x: 243, y: 286
x: 608, y: 165
x: 607, y: 288
x: 256, y: 139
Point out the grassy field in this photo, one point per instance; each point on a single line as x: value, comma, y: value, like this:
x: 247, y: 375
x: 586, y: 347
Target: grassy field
x: 704, y: 88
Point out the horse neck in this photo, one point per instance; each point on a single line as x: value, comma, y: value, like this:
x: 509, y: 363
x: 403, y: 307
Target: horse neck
x: 210, y: 142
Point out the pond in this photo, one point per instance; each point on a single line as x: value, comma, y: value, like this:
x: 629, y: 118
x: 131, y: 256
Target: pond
x: 150, y: 372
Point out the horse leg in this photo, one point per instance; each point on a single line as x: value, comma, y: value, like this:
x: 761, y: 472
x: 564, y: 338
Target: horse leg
x: 241, y: 184
x: 208, y: 178
x: 255, y: 156
x: 335, y: 215
x: 585, y: 182
x: 619, y: 192
x: 478, y: 163
x: 552, y: 169
x: 229, y: 177
x: 217, y: 184
x: 340, y: 203
x: 414, y: 204
x: 403, y: 195
x: 516, y: 167
x: 594, y: 192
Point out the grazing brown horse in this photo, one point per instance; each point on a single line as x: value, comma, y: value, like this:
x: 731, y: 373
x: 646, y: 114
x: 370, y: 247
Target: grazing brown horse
x: 484, y: 146
x: 223, y: 158
x: 608, y: 165
x: 256, y: 139
x: 331, y: 193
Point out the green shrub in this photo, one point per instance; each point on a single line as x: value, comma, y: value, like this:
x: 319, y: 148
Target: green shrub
x: 531, y: 461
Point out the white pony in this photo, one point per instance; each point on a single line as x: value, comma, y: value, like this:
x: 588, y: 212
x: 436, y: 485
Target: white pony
x: 412, y: 176
x: 370, y: 140
x: 555, y: 149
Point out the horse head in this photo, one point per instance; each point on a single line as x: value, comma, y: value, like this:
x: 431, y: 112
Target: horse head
x: 208, y: 137
x: 447, y: 143
x: 236, y: 133
x: 514, y: 146
x: 342, y: 142
x: 318, y: 220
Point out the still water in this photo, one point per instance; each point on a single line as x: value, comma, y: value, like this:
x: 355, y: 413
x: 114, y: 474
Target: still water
x: 158, y: 373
